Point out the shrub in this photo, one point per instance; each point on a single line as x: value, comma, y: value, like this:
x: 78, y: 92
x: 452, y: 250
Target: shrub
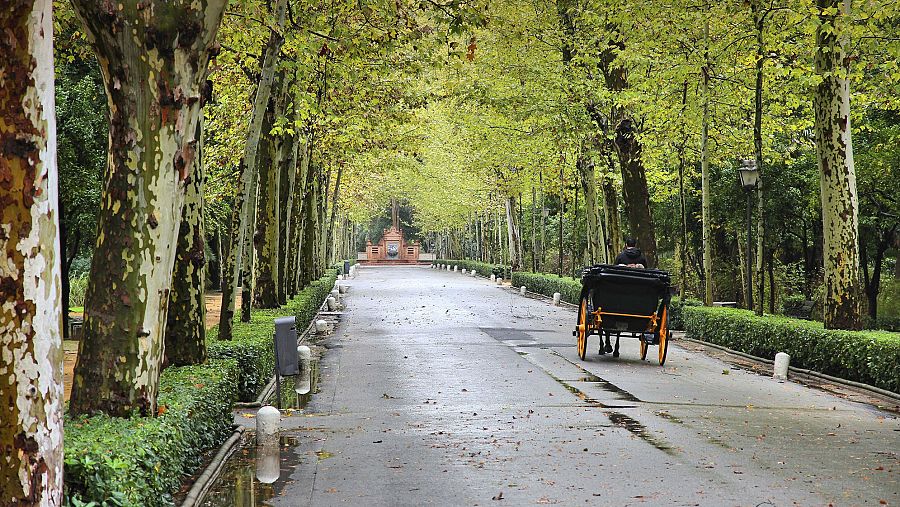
x: 872, y: 357
x: 546, y: 284
x: 140, y: 461
x: 482, y: 268
x: 77, y: 290
x: 252, y: 345
x: 676, y: 311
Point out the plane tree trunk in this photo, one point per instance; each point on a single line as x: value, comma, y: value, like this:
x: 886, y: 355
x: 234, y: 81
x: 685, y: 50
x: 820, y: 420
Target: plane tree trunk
x: 31, y: 386
x: 153, y: 56
x: 834, y: 150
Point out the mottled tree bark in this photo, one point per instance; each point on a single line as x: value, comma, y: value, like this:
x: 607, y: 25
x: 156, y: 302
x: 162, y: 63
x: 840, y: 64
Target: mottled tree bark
x: 311, y: 223
x: 243, y: 214
x: 329, y: 238
x: 635, y: 194
x: 759, y: 15
x: 834, y: 150
x: 595, y: 241
x: 268, y: 212
x: 153, y: 55
x: 289, y: 168
x: 299, y: 216
x: 31, y: 358
x: 513, y: 234
x: 704, y: 169
x: 186, y: 319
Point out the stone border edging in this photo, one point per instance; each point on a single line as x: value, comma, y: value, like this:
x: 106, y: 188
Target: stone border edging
x: 812, y: 373
x: 198, y: 491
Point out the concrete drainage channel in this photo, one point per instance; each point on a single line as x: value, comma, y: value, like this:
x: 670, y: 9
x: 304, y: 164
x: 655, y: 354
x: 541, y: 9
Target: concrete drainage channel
x: 247, y: 470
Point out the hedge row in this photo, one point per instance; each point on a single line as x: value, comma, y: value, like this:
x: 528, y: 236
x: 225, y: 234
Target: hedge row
x: 140, y: 461
x: 872, y: 357
x: 482, y: 268
x: 251, y: 345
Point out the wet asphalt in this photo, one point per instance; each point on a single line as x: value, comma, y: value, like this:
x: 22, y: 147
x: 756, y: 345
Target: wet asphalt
x: 436, y: 388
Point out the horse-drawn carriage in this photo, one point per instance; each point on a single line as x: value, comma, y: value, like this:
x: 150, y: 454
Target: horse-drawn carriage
x: 619, y: 300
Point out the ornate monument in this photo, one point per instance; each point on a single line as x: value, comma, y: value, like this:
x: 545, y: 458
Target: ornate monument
x: 393, y: 247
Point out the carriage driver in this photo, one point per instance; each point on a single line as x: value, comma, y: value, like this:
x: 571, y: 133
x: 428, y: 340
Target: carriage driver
x: 631, y: 256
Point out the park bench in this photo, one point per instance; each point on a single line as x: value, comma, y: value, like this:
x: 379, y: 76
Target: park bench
x: 800, y: 309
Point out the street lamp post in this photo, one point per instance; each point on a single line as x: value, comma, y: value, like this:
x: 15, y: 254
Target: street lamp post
x: 749, y: 175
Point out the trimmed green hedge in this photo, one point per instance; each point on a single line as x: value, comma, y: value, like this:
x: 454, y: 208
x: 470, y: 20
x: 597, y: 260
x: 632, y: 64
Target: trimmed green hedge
x: 251, y: 345
x: 482, y: 268
x: 872, y: 357
x: 139, y: 461
x: 546, y: 284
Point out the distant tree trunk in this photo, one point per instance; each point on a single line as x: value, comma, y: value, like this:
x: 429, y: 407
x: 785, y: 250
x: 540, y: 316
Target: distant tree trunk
x: 635, y: 194
x: 298, y: 222
x: 534, y: 243
x: 266, y: 240
x: 682, y: 204
x: 704, y: 168
x: 329, y: 252
x: 220, y: 254
x: 759, y: 25
x: 151, y: 157
x: 31, y: 375
x: 873, y: 283
x: 562, y: 217
x: 289, y: 167
x: 513, y: 233
x: 243, y: 215
x: 834, y: 150
x: 611, y: 209
x: 311, y: 223
x: 186, y: 319
x: 542, y: 247
x: 595, y: 241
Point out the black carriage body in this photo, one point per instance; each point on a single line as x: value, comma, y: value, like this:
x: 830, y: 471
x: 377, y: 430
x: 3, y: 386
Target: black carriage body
x: 626, y: 297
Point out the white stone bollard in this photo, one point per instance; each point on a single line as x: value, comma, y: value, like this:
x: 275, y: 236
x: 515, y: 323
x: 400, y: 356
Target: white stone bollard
x: 340, y: 277
x: 782, y: 361
x: 321, y: 326
x: 493, y: 277
x: 473, y: 273
x: 302, y: 383
x: 332, y: 303
x: 556, y: 298
x: 455, y: 269
x: 268, y: 460
x: 464, y: 271
x: 268, y: 422
x: 336, y: 294
x: 499, y: 281
x: 448, y: 267
x: 522, y: 290
x: 343, y: 289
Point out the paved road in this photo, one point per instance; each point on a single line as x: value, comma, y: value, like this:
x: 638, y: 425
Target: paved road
x: 442, y: 389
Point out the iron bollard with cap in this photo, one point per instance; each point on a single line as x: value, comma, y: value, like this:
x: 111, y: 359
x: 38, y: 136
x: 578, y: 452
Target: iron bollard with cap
x: 287, y: 361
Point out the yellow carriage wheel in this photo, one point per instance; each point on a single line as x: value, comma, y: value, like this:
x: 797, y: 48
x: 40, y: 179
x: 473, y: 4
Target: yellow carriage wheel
x: 663, y: 336
x: 583, y: 319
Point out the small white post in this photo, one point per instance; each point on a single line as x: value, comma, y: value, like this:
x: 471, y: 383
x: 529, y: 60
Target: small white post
x: 464, y: 271
x: 556, y: 298
x: 455, y: 268
x: 499, y: 281
x: 493, y: 277
x: 342, y: 289
x: 522, y: 290
x: 268, y: 421
x: 268, y: 460
x: 332, y: 303
x: 473, y: 273
x: 336, y: 293
x: 321, y: 326
x: 302, y: 383
x: 340, y: 277
x: 782, y: 361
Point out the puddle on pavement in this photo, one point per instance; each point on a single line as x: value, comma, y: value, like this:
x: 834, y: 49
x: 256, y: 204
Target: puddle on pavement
x: 254, y: 473
x: 297, y: 391
x: 639, y: 430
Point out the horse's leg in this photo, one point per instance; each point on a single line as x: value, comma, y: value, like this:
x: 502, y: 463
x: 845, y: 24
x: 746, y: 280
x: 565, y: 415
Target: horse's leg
x: 609, y: 347
x: 601, y: 334
x: 616, y: 351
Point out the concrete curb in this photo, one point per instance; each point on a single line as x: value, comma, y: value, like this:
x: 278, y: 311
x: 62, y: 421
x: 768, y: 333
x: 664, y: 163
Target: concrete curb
x: 198, y: 491
x: 812, y: 373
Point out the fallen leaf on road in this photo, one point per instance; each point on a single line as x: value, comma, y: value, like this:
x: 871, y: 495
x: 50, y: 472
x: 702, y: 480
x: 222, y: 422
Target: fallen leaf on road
x: 499, y: 496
